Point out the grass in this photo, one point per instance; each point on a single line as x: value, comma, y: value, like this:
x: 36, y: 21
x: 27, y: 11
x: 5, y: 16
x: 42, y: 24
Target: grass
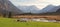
x: 7, y: 22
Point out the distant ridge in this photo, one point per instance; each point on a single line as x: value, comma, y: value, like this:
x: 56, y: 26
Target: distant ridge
x: 34, y: 10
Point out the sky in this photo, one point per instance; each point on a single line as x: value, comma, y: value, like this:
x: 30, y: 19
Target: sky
x: 39, y: 3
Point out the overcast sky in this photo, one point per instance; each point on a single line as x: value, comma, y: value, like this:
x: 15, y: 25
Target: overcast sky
x: 38, y: 3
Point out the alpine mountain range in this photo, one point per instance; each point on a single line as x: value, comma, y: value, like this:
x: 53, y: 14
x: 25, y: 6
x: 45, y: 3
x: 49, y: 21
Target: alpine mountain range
x: 34, y: 10
x: 8, y: 6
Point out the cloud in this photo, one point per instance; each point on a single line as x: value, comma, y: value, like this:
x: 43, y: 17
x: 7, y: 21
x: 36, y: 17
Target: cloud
x: 38, y: 3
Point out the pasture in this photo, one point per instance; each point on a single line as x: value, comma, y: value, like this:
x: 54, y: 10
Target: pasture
x: 9, y: 22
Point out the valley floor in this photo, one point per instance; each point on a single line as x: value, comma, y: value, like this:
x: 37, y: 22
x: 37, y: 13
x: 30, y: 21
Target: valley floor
x: 8, y: 22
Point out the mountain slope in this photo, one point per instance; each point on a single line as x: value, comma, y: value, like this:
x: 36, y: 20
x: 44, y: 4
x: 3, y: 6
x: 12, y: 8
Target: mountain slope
x: 13, y: 8
x: 9, y: 7
x: 56, y: 11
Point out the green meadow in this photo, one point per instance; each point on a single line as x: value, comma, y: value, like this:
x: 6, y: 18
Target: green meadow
x: 9, y: 22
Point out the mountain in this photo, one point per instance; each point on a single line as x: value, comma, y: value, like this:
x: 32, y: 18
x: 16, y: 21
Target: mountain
x: 9, y: 7
x: 34, y: 10
x: 50, y: 8
x: 54, y: 11
x: 3, y: 9
x: 29, y: 9
x: 13, y: 8
x: 58, y: 11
